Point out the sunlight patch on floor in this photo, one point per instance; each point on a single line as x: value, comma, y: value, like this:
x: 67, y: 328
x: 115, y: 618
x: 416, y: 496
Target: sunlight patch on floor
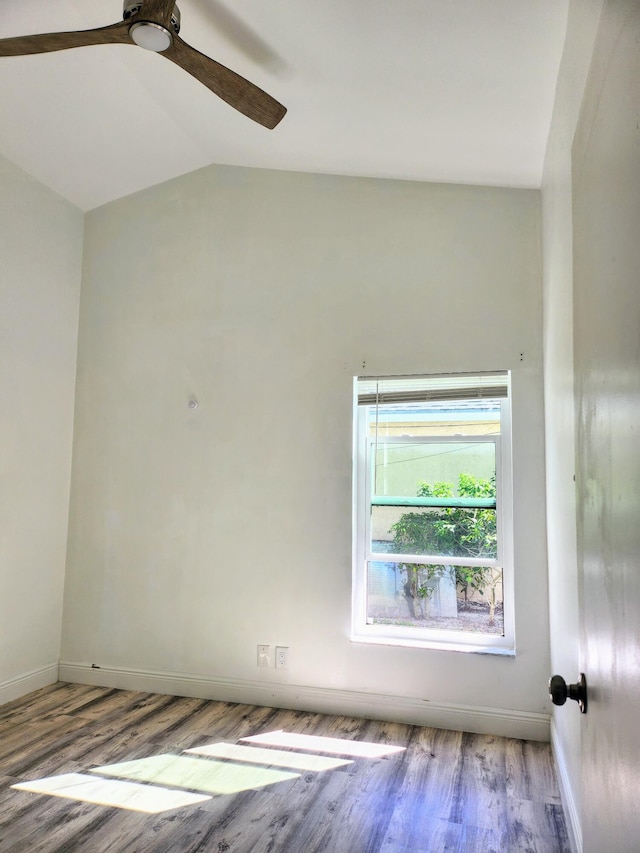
x: 198, y: 774
x: 163, y: 782
x: 316, y: 743
x: 112, y: 792
x: 269, y: 757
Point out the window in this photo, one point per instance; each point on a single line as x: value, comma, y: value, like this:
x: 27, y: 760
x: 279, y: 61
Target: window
x: 432, y: 512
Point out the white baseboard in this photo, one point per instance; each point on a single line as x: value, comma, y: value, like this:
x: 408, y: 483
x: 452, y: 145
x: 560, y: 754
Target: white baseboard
x: 496, y: 721
x: 566, y: 793
x: 19, y: 686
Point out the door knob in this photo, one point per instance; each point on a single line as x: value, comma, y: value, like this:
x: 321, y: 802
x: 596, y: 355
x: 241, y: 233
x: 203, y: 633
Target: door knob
x: 559, y: 691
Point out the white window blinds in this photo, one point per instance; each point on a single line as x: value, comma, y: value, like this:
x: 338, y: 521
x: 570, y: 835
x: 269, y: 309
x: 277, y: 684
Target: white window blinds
x: 384, y: 390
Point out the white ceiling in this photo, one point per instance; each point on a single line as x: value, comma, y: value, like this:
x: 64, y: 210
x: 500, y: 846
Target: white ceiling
x: 429, y: 90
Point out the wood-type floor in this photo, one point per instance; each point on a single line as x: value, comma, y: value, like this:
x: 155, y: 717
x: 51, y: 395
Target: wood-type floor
x: 443, y: 791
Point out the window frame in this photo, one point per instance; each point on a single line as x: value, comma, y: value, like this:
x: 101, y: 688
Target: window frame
x: 418, y: 637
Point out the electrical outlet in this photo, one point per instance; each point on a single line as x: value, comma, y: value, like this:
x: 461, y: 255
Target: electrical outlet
x: 264, y: 655
x: 282, y: 657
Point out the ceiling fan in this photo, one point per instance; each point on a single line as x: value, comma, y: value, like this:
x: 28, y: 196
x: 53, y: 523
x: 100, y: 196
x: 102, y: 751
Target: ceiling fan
x: 154, y: 25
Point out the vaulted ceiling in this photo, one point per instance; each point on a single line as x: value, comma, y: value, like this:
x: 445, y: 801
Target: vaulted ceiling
x: 429, y: 90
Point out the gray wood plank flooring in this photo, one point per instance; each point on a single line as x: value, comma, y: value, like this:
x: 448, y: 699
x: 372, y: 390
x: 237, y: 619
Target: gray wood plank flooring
x: 444, y: 791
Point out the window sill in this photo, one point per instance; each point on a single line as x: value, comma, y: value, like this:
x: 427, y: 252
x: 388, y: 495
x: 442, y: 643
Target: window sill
x: 436, y: 645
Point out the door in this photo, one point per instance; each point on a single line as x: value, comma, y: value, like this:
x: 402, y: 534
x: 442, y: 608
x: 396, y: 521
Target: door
x: 606, y: 219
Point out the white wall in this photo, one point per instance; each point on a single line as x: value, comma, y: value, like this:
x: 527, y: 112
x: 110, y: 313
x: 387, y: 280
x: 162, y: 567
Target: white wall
x: 559, y: 400
x: 197, y: 534
x: 40, y: 267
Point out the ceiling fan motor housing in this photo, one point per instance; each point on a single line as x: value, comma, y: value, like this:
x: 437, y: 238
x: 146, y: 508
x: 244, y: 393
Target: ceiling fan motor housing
x: 132, y: 7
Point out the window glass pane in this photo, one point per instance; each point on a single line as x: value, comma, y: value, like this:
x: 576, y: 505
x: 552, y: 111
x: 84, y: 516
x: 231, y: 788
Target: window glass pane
x: 466, y: 417
x: 438, y: 597
x: 438, y: 469
x: 428, y: 498
x: 453, y: 532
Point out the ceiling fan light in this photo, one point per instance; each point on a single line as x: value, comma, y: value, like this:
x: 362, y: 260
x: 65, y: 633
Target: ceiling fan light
x: 150, y: 36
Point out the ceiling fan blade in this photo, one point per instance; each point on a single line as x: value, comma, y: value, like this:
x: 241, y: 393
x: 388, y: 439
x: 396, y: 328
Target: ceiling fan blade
x: 231, y: 87
x: 49, y: 42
